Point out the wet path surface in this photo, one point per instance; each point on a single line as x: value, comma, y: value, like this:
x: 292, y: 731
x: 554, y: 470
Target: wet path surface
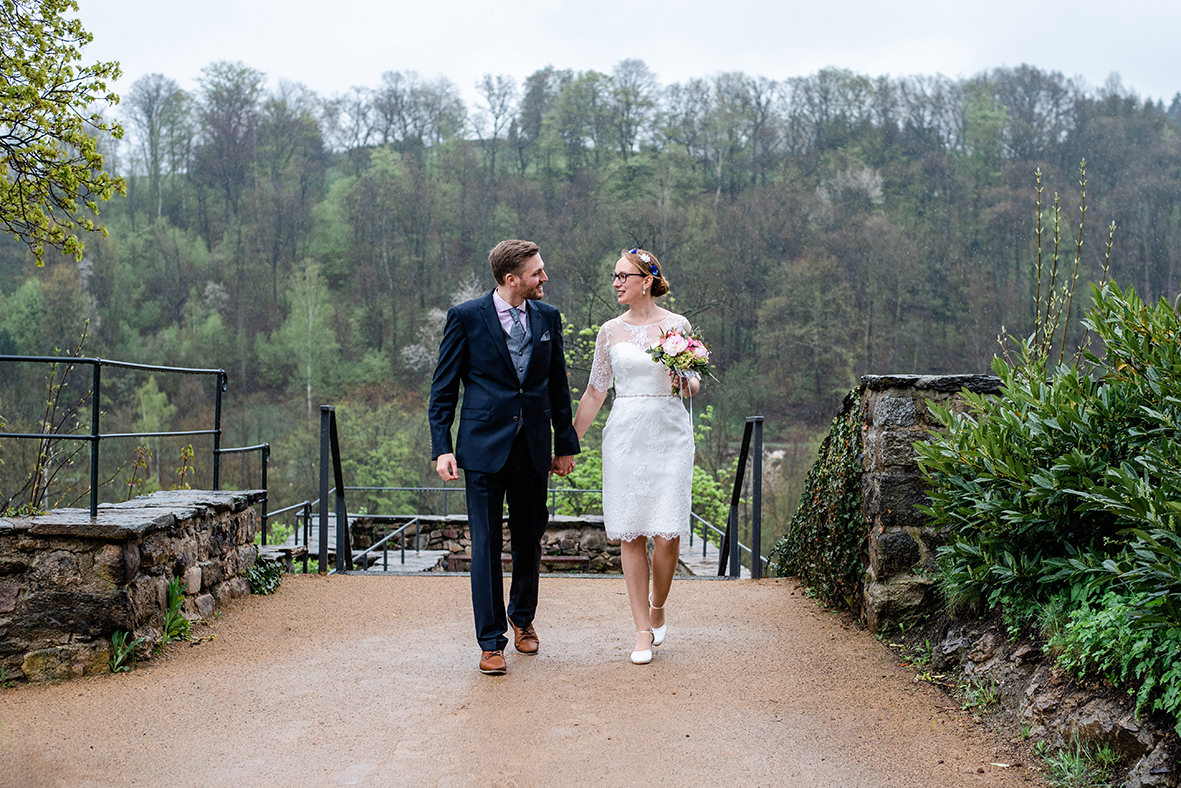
x: 372, y: 680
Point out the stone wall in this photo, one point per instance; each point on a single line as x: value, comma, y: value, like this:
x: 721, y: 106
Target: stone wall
x: 895, y: 413
x: 68, y: 582
x: 581, y: 539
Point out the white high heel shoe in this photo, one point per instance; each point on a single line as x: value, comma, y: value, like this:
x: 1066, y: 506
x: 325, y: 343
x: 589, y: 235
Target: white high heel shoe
x: 645, y: 656
x: 659, y: 632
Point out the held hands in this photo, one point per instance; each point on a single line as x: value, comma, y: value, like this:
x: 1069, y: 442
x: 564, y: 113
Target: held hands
x: 447, y: 468
x: 562, y: 466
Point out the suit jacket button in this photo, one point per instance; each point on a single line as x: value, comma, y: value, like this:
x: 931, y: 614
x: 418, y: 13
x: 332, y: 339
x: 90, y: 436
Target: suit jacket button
x: 520, y: 391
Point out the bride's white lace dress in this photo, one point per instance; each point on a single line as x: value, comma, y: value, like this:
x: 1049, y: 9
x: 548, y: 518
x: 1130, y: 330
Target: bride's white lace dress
x: 648, y: 439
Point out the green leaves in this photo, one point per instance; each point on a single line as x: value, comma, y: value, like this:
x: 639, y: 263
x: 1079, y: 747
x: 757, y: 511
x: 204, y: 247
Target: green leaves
x: 49, y: 157
x: 1068, y: 486
x: 824, y: 545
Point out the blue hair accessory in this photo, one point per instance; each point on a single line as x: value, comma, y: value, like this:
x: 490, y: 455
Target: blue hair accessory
x: 655, y: 271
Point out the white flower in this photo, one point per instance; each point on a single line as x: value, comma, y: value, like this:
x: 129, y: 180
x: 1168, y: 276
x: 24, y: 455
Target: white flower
x: 674, y: 344
x: 645, y: 258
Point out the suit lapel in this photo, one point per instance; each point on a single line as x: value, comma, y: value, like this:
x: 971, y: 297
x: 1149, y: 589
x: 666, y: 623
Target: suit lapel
x: 537, y: 328
x: 495, y: 332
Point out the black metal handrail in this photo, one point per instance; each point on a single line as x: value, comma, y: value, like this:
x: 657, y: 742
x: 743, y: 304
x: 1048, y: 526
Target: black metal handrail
x: 264, y: 450
x: 96, y: 435
x: 383, y: 543
x: 330, y: 456
x: 709, y: 528
x: 305, y: 512
x: 754, y: 429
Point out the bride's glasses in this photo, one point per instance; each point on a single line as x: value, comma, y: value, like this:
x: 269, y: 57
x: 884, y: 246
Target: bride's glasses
x: 621, y: 276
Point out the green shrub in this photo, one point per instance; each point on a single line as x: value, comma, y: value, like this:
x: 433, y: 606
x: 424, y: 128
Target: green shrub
x: 1066, y: 488
x: 1106, y: 638
x: 711, y: 498
x: 265, y: 577
x: 825, y: 543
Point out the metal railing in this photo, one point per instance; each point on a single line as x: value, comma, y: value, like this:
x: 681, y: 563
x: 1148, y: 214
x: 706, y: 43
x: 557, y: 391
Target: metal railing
x: 96, y: 435
x: 706, y: 528
x: 384, y: 542
x: 754, y: 429
x: 330, y: 456
x: 729, y: 563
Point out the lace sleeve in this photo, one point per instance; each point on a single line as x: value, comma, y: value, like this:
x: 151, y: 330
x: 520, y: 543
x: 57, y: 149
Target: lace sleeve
x: 600, y: 374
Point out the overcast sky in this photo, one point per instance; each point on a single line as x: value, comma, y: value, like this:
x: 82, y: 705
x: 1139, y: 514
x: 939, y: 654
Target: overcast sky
x: 331, y: 45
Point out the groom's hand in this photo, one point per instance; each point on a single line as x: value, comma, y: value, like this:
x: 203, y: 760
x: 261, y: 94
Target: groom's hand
x: 562, y: 466
x: 446, y: 467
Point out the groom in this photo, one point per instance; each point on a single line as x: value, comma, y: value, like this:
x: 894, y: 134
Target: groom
x: 506, y: 349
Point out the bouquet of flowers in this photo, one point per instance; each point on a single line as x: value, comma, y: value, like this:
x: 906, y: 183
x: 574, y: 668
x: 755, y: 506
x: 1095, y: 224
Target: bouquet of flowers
x: 682, y: 353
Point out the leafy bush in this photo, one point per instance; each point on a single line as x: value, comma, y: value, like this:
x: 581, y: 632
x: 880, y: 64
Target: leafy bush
x: 1107, y: 638
x: 825, y: 543
x: 1068, y: 486
x: 265, y: 577
x: 1000, y: 481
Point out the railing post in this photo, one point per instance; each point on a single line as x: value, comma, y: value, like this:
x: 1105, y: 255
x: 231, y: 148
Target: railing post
x: 344, y: 543
x: 730, y: 540
x: 756, y: 520
x: 220, y: 386
x: 307, y: 519
x: 266, y: 460
x: 96, y: 406
x: 325, y: 416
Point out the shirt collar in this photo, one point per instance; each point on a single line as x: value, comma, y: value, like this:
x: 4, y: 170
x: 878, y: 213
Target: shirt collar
x: 503, y: 306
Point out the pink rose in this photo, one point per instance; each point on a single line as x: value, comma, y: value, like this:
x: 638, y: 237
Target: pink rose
x: 700, y: 351
x: 674, y: 344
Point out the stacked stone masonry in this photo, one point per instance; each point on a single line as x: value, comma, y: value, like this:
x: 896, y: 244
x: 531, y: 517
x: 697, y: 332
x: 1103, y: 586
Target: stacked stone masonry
x: 67, y: 582
x: 895, y: 413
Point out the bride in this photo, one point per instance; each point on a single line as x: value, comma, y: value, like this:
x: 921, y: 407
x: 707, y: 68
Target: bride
x: 647, y: 442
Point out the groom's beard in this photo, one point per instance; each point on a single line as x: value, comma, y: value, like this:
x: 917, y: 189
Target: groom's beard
x: 536, y: 294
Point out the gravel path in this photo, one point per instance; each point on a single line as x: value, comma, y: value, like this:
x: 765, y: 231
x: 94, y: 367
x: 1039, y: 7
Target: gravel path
x: 372, y: 680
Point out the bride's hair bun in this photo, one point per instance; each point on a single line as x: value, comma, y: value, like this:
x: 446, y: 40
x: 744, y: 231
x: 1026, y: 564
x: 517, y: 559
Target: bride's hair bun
x: 646, y: 263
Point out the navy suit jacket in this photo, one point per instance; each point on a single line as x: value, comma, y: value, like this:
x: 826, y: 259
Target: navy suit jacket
x: 474, y: 351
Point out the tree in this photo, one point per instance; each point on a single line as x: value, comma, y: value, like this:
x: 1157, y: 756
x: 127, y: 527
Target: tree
x: 633, y: 99
x: 154, y: 100
x: 229, y: 115
x: 499, y: 94
x: 49, y: 157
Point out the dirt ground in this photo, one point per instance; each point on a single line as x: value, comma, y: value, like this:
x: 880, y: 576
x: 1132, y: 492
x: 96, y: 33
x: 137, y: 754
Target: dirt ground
x: 372, y: 680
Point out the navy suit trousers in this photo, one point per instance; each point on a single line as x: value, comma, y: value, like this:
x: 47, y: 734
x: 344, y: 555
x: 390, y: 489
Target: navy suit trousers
x: 524, y: 487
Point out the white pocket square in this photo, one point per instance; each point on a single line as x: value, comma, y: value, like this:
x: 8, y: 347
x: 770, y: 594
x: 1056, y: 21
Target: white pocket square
x: 544, y: 337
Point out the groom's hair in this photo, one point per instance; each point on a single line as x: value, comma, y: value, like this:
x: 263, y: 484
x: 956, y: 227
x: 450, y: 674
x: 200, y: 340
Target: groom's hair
x: 507, y: 257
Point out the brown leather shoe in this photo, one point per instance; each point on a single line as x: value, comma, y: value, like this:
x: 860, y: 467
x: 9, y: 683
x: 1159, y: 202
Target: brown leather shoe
x: 525, y: 638
x: 492, y: 663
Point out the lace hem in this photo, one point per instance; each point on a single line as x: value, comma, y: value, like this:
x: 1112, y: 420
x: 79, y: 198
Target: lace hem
x: 627, y: 537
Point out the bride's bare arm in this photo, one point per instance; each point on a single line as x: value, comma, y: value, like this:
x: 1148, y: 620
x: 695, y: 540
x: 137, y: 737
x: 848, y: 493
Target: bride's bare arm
x: 588, y: 407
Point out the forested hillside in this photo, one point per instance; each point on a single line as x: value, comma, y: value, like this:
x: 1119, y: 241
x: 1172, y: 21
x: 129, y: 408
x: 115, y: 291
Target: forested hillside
x: 814, y: 229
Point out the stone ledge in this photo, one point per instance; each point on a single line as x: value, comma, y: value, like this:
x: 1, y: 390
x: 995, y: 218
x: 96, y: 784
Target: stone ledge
x: 949, y: 384
x: 67, y: 582
x: 134, y: 518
